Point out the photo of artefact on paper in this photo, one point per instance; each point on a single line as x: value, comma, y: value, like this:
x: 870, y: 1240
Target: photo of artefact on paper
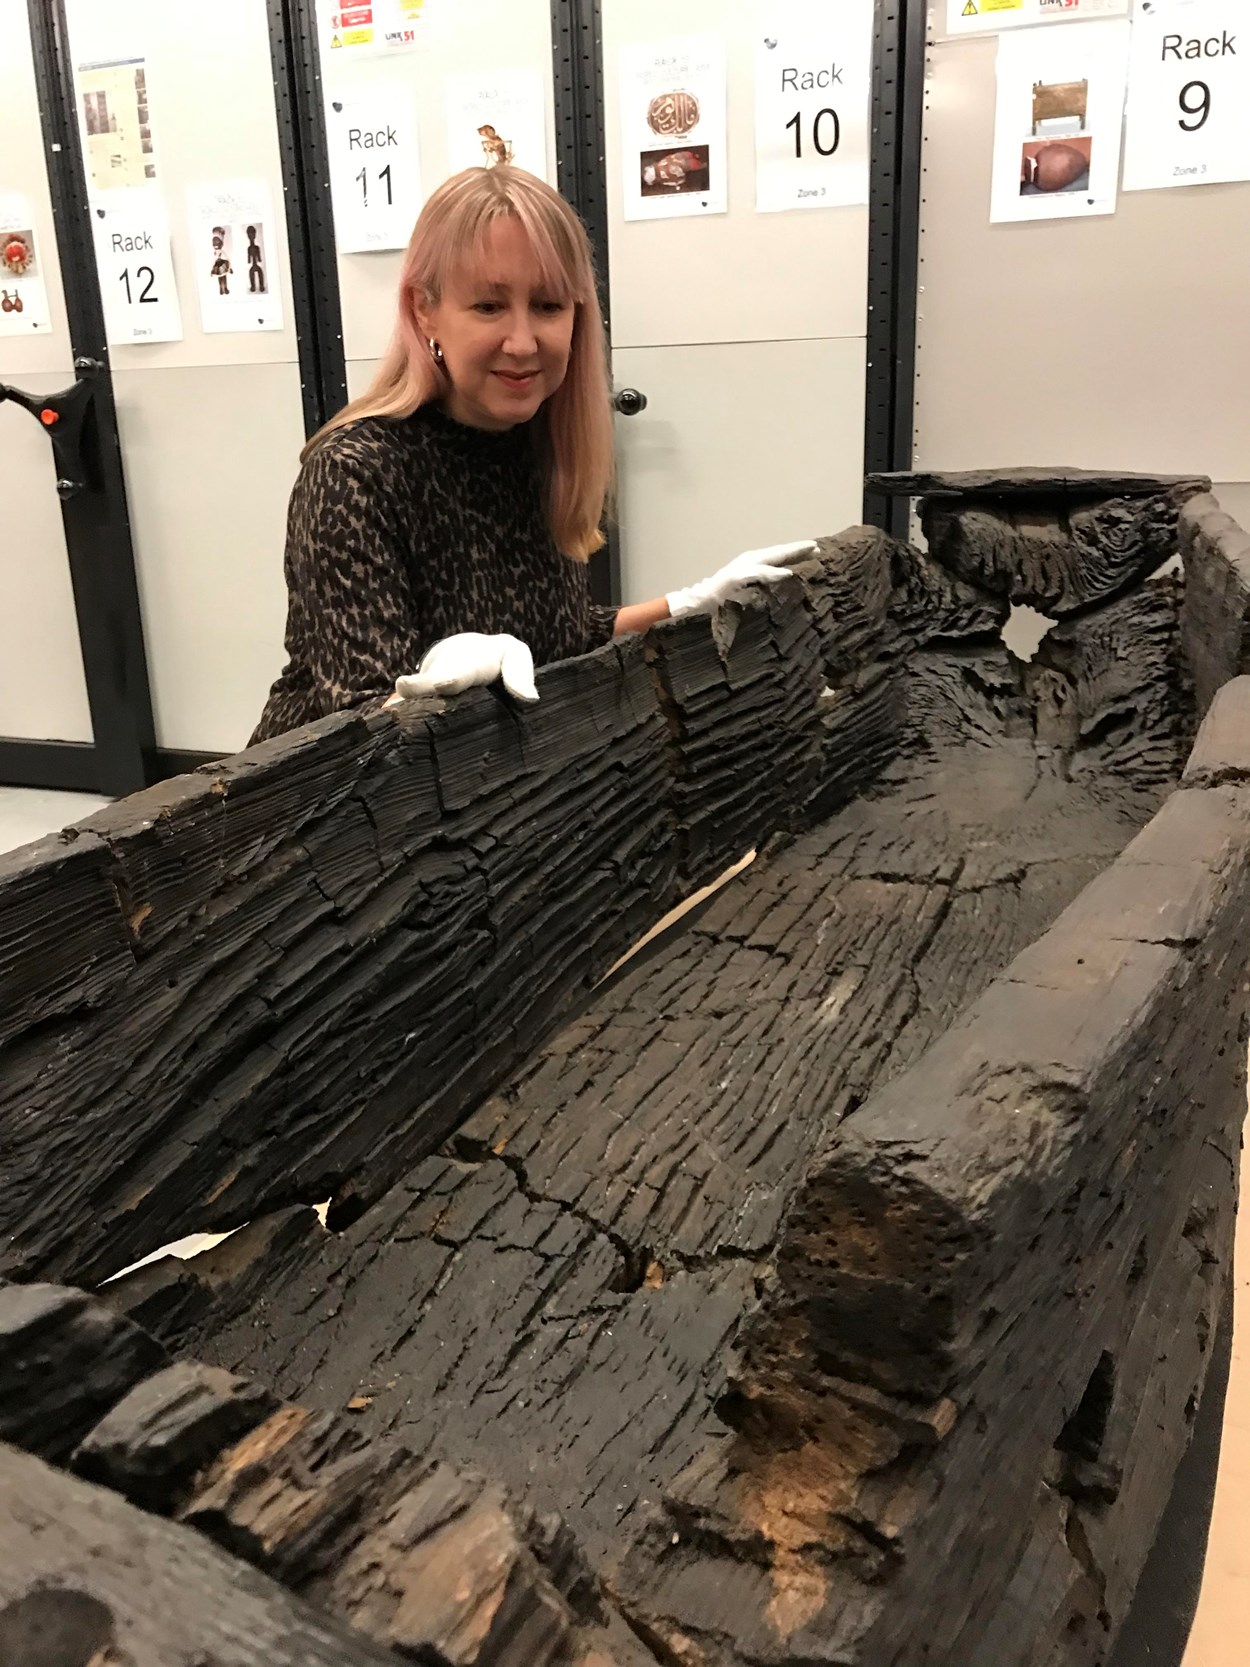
x: 1060, y: 102
x: 670, y: 172
x: 230, y: 225
x: 497, y: 117
x: 674, y: 142
x: 118, y: 145
x: 1055, y: 165
x: 23, y: 298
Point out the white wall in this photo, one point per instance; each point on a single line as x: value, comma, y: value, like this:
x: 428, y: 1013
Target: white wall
x: 1121, y: 342
x: 210, y: 426
x: 745, y: 331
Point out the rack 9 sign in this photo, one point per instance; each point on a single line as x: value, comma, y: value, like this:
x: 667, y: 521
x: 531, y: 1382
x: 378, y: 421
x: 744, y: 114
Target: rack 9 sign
x: 1188, y: 120
x: 812, y: 83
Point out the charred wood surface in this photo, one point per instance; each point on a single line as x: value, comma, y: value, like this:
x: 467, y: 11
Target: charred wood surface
x: 832, y: 1282
x: 1053, y: 488
x: 1215, y: 617
x: 1096, y: 550
x: 436, y: 1565
x: 294, y: 973
x: 559, y: 1294
x: 86, y: 1580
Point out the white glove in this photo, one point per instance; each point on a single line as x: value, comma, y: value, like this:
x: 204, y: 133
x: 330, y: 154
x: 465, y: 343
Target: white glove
x: 467, y: 660
x: 751, y: 567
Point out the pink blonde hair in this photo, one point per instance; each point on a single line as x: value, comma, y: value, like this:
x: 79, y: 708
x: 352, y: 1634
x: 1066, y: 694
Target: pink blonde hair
x: 576, y: 422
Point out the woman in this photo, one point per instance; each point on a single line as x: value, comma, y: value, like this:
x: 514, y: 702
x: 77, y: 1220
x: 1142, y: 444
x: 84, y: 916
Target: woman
x: 440, y: 525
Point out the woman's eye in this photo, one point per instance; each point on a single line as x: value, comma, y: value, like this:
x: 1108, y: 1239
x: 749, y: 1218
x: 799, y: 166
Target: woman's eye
x: 486, y: 307
x: 551, y: 307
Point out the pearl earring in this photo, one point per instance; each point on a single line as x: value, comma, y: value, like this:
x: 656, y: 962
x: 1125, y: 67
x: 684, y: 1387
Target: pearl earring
x: 436, y: 351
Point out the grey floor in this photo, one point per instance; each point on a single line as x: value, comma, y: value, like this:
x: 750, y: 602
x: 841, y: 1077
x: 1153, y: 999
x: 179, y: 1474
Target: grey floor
x: 27, y: 814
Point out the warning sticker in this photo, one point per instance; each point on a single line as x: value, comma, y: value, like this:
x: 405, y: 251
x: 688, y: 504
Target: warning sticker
x: 963, y: 16
x: 369, y: 26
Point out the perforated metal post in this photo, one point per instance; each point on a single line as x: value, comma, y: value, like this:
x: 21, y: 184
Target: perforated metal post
x: 581, y: 173
x: 581, y: 151
x: 305, y: 153
x: 893, y: 248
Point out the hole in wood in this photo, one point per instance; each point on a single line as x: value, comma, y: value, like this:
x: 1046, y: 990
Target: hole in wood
x: 1025, y: 629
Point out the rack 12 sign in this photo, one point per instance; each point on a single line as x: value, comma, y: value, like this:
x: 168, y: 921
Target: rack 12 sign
x: 136, y: 270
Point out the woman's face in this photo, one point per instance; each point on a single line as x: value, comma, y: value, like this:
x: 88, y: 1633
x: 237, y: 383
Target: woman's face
x: 505, y: 337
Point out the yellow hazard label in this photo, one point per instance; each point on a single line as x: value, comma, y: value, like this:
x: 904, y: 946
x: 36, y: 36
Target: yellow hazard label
x: 970, y: 10
x: 337, y: 42
x: 357, y: 37
x: 1000, y: 5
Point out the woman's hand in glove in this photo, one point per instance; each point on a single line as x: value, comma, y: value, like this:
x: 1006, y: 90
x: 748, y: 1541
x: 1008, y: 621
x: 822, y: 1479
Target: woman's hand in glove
x: 467, y: 660
x: 751, y: 567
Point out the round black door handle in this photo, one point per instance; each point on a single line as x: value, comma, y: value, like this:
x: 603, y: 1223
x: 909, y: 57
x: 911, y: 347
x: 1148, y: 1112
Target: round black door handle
x: 629, y: 402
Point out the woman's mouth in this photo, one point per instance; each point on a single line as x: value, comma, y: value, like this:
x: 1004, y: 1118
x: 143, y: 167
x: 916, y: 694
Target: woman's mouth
x: 518, y: 380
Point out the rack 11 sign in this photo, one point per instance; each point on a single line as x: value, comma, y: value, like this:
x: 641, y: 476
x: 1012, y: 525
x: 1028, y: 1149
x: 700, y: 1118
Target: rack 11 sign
x: 375, y: 173
x: 812, y: 84
x: 1188, y: 120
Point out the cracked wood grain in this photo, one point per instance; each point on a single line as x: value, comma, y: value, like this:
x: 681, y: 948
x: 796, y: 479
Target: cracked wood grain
x: 817, y: 1275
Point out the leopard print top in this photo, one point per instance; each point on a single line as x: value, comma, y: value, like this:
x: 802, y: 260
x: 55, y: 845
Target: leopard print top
x: 403, y: 531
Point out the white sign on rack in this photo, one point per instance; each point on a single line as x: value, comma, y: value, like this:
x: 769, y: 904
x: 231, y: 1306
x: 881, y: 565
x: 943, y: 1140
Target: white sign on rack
x: 497, y: 116
x: 1058, y: 119
x: 674, y: 142
x: 813, y: 81
x: 234, y: 247
x: 375, y: 167
x: 23, y: 295
x: 1188, y: 94
x: 136, y: 268
x: 972, y: 17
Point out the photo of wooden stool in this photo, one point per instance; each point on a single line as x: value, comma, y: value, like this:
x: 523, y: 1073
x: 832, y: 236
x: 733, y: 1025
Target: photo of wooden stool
x: 1054, y: 101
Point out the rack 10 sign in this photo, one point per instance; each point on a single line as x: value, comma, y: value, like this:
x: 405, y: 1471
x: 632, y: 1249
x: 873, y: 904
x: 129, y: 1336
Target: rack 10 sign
x: 812, y: 81
x: 1188, y: 120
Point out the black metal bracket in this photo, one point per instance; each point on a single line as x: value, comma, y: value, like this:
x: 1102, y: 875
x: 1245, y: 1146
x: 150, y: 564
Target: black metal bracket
x: 898, y: 73
x: 61, y: 416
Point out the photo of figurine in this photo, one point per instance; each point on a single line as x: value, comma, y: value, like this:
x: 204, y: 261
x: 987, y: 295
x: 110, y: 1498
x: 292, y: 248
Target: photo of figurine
x: 256, y: 259
x: 496, y: 150
x: 671, y: 173
x: 221, y: 268
x: 233, y: 233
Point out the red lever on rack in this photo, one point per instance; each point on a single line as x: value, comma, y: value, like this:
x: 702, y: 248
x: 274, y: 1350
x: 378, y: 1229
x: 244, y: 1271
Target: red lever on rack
x: 48, y: 416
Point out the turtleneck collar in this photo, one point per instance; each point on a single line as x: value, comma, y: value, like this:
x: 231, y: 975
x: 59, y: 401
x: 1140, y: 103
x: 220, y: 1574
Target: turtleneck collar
x: 467, y: 441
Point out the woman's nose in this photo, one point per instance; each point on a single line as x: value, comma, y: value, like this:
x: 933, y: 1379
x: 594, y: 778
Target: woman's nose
x: 520, y: 340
